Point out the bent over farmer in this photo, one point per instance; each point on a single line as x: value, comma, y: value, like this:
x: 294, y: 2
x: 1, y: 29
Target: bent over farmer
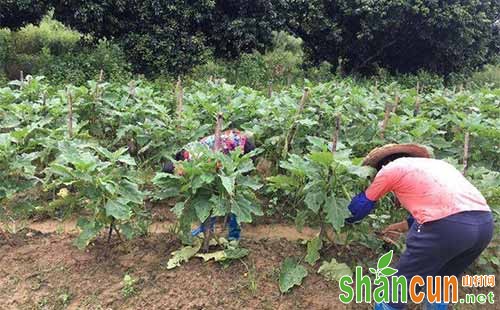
x: 450, y: 223
x: 231, y: 140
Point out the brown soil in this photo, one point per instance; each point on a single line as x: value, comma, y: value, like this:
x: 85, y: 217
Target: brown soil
x: 45, y: 271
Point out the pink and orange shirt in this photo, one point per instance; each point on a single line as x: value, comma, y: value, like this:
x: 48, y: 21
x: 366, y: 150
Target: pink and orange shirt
x: 429, y: 189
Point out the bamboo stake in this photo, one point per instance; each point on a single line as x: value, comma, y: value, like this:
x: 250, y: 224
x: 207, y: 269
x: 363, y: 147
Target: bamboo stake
x: 466, y: 152
x: 101, y: 76
x: 417, y: 101
x: 291, y: 132
x: 70, y: 115
x: 180, y: 97
x: 396, y: 104
x: 387, y: 115
x: 336, y: 133
x: 218, y: 132
x: 131, y: 87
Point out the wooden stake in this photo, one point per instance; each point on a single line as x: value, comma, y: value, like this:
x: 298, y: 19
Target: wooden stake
x: 396, y: 104
x: 387, y: 115
x: 466, y: 152
x: 70, y: 115
x: 291, y: 132
x: 101, y: 76
x: 336, y: 133
x: 270, y: 91
x: 218, y: 132
x: 131, y: 87
x: 417, y: 101
x: 180, y: 97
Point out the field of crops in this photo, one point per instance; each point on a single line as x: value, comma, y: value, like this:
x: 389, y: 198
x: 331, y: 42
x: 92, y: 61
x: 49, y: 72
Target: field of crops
x: 94, y: 152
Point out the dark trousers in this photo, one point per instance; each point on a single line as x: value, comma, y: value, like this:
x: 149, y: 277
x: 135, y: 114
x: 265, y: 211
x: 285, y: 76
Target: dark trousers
x: 445, y: 247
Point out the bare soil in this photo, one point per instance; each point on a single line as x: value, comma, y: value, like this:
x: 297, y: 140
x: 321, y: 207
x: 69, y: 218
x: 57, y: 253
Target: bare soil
x: 45, y: 271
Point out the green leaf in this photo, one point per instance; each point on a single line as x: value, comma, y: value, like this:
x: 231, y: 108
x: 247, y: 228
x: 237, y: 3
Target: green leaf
x: 202, y: 207
x: 127, y: 230
x: 291, y: 274
x: 384, y: 260
x: 183, y: 255
x: 224, y: 255
x: 216, y: 256
x: 388, y: 271
x: 178, y: 209
x: 300, y: 219
x: 89, y: 230
x: 373, y: 270
x: 228, y: 183
x: 313, y: 247
x: 127, y: 159
x: 334, y: 271
x: 314, y: 200
x: 119, y: 209
x: 243, y: 209
x: 361, y: 171
x: 236, y: 253
x: 249, y: 182
x: 130, y: 191
x: 283, y: 182
x: 336, y: 212
x: 322, y: 158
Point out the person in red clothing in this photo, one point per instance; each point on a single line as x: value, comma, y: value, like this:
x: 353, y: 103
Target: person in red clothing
x: 450, y: 222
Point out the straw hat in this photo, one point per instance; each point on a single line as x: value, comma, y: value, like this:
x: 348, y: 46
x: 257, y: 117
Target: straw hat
x: 379, y: 153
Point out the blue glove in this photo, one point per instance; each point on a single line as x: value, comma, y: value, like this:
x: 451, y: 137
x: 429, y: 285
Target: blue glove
x: 360, y: 207
x: 201, y: 228
x: 234, y: 228
x: 410, y: 220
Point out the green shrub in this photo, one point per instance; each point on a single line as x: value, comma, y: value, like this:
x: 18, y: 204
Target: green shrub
x: 5, y: 37
x: 85, y: 63
x: 60, y: 54
x: 50, y: 34
x: 489, y: 76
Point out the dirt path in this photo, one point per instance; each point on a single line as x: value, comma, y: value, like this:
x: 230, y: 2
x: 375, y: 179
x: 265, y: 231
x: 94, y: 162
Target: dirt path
x: 45, y: 271
x: 255, y: 232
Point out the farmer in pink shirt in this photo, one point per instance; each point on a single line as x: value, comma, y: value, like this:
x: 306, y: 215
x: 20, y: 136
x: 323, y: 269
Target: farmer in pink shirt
x: 450, y: 223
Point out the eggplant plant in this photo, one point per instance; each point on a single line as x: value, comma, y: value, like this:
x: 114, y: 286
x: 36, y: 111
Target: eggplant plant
x: 104, y: 183
x: 211, y: 184
x: 321, y: 184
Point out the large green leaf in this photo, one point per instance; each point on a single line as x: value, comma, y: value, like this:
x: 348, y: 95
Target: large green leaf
x: 183, y: 255
x: 119, y: 209
x: 242, y: 208
x: 314, y: 200
x: 336, y: 212
x: 228, y: 183
x: 322, y: 158
x: 333, y: 271
x: 202, y: 206
x: 291, y: 274
x: 313, y: 247
x: 89, y: 230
